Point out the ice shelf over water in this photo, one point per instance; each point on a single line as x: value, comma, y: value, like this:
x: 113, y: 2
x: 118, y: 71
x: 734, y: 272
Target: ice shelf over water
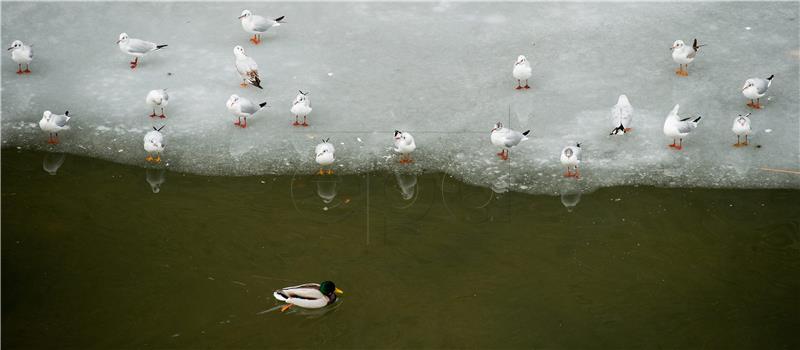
x: 441, y: 71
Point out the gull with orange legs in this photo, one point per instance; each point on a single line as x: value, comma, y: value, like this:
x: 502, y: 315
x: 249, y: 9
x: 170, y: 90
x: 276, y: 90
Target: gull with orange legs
x: 571, y: 158
x: 507, y: 138
x: 404, y: 144
x: 157, y: 99
x: 53, y: 124
x: 243, y: 108
x: 522, y: 71
x: 741, y: 127
x: 136, y: 47
x: 678, y: 128
x: 301, y: 106
x: 755, y: 88
x: 683, y: 55
x: 246, y: 67
x: 154, y: 145
x: 621, y: 116
x: 257, y: 25
x: 21, y: 54
x: 324, y: 155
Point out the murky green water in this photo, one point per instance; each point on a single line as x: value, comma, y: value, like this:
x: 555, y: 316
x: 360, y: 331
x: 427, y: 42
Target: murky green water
x: 92, y: 258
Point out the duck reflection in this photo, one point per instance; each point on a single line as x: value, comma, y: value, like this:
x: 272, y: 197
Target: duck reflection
x: 53, y: 161
x: 155, y: 177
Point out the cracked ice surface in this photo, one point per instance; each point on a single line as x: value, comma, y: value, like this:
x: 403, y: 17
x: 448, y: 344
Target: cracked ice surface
x: 439, y: 70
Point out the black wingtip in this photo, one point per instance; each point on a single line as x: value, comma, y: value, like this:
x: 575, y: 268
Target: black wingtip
x: 771, y: 76
x: 66, y: 113
x: 262, y: 104
x: 616, y: 130
x: 698, y: 119
x: 258, y: 85
x: 279, y: 19
x: 526, y: 132
x: 396, y: 132
x: 160, y: 46
x: 159, y: 129
x: 578, y: 145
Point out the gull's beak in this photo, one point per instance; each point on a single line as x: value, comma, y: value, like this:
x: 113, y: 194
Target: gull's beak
x: 117, y: 41
x: 338, y: 291
x: 9, y: 49
x: 240, y: 17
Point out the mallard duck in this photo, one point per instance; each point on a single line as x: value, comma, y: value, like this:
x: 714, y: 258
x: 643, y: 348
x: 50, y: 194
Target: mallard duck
x: 309, y: 295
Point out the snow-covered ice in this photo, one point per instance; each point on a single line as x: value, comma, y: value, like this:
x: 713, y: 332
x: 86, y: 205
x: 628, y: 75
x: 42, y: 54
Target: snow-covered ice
x: 437, y: 70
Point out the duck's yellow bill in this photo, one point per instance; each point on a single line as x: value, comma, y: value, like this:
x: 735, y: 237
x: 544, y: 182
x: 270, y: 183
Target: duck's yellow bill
x: 339, y: 291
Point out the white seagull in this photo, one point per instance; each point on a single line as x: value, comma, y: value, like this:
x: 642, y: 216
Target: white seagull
x: 301, y: 106
x: 755, y: 89
x: 157, y: 98
x: 154, y: 144
x: 21, y: 54
x: 522, y: 71
x: 677, y: 128
x: 741, y: 126
x: 243, y: 108
x: 258, y: 25
x: 570, y: 158
x: 683, y: 55
x: 53, y: 123
x: 621, y: 116
x: 404, y: 144
x: 246, y: 67
x: 507, y: 138
x: 324, y: 155
x: 136, y: 47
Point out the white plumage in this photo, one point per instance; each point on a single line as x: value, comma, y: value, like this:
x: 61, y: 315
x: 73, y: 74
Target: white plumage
x: 741, y: 127
x: 324, y: 155
x: 683, y: 55
x: 154, y: 144
x: 404, y: 144
x: 522, y: 71
x: 621, y: 116
x: 301, y: 106
x: 136, y: 47
x: 246, y: 67
x: 755, y: 89
x: 157, y: 99
x: 677, y: 128
x: 309, y: 295
x: 257, y: 25
x: 243, y: 108
x: 21, y: 54
x: 571, y: 158
x: 506, y: 138
x: 53, y: 124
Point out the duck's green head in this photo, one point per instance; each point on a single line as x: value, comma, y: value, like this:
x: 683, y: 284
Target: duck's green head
x: 328, y: 288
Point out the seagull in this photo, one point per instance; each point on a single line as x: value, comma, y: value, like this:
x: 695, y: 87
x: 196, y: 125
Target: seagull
x: 325, y: 155
x: 258, y: 25
x: 506, y: 138
x: 246, y: 67
x: 243, y: 108
x: 157, y: 98
x: 755, y: 89
x: 683, y: 55
x: 53, y: 123
x: 136, y: 47
x: 678, y: 128
x: 522, y: 71
x: 741, y: 126
x: 571, y: 157
x: 621, y: 116
x: 404, y: 144
x: 301, y: 106
x: 21, y: 54
x: 154, y: 144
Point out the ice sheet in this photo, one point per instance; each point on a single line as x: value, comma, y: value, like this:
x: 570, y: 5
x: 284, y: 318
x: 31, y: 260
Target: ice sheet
x: 439, y: 70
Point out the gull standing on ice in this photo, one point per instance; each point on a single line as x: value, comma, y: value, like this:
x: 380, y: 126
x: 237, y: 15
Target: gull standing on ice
x: 243, y: 108
x: 683, y: 55
x: 621, y: 116
x: 677, y: 128
x: 404, y: 144
x: 522, y: 71
x: 755, y: 89
x: 136, y: 47
x: 507, y: 138
x: 324, y: 155
x: 301, y: 106
x: 570, y: 158
x: 246, y: 67
x: 154, y: 144
x: 53, y: 123
x: 741, y: 126
x: 157, y: 98
x: 258, y: 25
x: 21, y: 54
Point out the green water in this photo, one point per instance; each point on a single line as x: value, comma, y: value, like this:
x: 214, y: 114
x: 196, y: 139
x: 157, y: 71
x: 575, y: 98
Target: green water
x: 92, y: 258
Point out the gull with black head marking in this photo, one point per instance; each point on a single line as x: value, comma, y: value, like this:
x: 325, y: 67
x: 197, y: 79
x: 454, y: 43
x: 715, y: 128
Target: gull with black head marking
x: 506, y: 138
x: 755, y: 89
x: 301, y: 106
x: 21, y: 54
x: 683, y: 55
x: 678, y: 128
x: 53, y: 124
x: 404, y: 144
x: 243, y: 108
x: 157, y: 99
x: 571, y: 158
x: 522, y: 71
x: 154, y: 145
x: 258, y: 25
x: 136, y: 47
x: 246, y: 67
x: 324, y: 156
x: 741, y: 127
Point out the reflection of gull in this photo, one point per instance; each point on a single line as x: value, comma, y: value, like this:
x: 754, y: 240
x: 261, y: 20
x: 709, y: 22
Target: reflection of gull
x: 155, y: 177
x: 52, y: 161
x: 326, y: 190
x: 407, y: 184
x: 570, y: 199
